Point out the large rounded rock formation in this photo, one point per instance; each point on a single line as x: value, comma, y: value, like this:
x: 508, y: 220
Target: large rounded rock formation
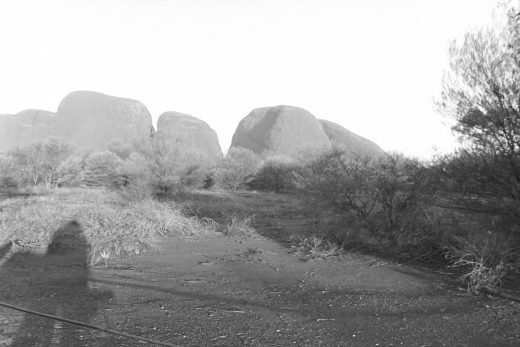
x: 185, y: 133
x: 88, y: 120
x: 280, y: 130
x: 26, y: 127
x: 351, y: 143
x: 93, y: 120
x: 289, y: 130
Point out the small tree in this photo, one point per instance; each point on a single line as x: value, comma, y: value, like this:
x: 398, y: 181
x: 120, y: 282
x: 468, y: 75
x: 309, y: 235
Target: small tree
x: 39, y: 162
x: 163, y: 163
x: 237, y: 169
x: 481, y: 92
x: 54, y: 154
x: 481, y: 89
x: 28, y: 161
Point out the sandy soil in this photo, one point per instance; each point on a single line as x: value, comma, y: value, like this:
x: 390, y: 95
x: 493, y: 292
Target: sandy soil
x: 215, y: 290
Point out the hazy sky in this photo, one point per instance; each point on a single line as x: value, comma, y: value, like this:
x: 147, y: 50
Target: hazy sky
x: 371, y: 66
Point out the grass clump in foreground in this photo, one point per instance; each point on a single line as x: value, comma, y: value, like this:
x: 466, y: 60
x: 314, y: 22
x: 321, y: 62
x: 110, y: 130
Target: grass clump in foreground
x: 113, y: 226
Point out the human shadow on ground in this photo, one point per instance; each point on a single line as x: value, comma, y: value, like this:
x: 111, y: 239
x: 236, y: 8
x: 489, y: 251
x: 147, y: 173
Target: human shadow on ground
x: 54, y: 283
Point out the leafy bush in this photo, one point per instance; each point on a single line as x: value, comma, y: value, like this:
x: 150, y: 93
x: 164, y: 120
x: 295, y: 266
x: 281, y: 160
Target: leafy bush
x: 384, y: 197
x: 102, y: 169
x: 482, y: 183
x: 70, y: 172
x: 168, y: 170
x: 209, y: 180
x: 237, y: 169
x: 137, y: 173
x: 275, y: 175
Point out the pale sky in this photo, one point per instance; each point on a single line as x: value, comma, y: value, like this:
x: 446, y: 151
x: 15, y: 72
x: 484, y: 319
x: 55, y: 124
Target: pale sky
x: 372, y: 66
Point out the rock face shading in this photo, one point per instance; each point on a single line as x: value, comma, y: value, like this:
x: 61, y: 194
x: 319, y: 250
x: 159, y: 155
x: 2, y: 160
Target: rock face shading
x: 288, y: 130
x: 88, y: 120
x: 26, y: 127
x: 186, y: 133
x: 282, y: 129
x: 93, y: 120
x: 352, y: 143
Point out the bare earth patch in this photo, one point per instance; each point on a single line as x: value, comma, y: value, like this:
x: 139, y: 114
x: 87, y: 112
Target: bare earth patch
x: 253, y: 290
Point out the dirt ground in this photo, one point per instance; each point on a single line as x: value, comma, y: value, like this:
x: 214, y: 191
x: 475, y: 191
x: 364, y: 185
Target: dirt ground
x: 215, y: 290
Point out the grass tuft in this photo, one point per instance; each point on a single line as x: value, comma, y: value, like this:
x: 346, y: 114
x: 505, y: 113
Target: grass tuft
x: 114, y: 227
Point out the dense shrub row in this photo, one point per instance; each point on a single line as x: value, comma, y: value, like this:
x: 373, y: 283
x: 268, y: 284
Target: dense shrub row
x: 461, y: 210
x: 143, y: 169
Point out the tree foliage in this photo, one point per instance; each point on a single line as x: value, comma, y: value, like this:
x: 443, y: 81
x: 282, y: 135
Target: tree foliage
x: 482, y: 93
x: 383, y: 193
x: 39, y: 162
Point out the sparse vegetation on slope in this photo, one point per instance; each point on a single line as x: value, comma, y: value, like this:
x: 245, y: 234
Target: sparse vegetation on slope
x: 113, y: 226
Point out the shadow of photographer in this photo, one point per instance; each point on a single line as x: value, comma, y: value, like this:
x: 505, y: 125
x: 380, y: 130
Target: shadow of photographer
x: 54, y: 283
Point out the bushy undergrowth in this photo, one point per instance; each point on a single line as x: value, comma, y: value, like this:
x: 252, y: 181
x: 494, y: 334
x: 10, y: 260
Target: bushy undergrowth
x: 275, y: 175
x: 113, y: 226
x: 485, y: 259
x: 398, y: 207
x: 237, y: 169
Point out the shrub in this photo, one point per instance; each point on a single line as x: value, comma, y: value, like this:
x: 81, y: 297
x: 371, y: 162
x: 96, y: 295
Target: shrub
x: 237, y: 169
x: 209, y: 180
x: 102, y: 169
x: 170, y: 171
x: 70, y: 172
x: 482, y: 183
x: 8, y: 186
x: 275, y: 176
x: 8, y: 182
x: 385, y: 197
x: 486, y: 259
x: 481, y: 186
x: 137, y: 172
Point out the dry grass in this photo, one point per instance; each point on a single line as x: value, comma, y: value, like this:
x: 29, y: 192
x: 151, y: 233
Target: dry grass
x: 315, y: 246
x: 239, y: 226
x: 485, y: 261
x: 113, y: 226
